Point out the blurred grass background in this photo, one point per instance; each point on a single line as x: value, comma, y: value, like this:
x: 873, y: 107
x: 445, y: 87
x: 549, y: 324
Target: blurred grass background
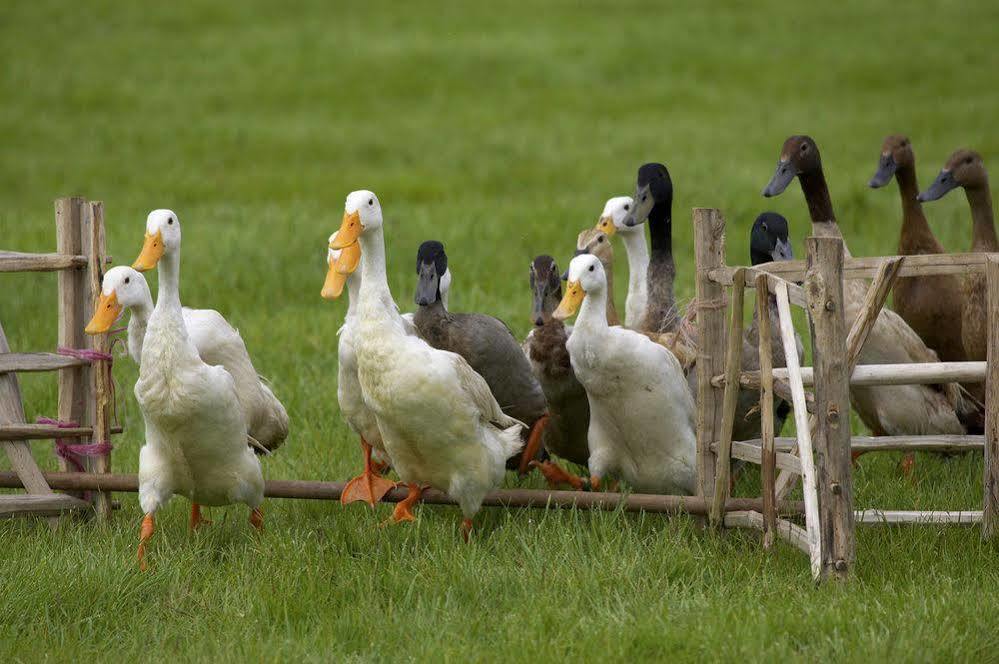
x: 499, y: 130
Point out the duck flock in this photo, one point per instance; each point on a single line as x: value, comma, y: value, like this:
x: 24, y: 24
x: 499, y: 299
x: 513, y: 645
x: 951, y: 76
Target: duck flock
x: 452, y: 400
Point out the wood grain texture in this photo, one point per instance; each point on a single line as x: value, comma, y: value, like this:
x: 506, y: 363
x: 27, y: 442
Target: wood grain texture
x: 791, y: 533
x: 72, y: 380
x: 51, y: 504
x: 101, y: 399
x: 733, y: 364
x: 768, y: 453
x: 16, y: 261
x: 32, y: 362
x: 882, y: 374
x: 990, y: 481
x: 709, y: 249
x: 827, y: 324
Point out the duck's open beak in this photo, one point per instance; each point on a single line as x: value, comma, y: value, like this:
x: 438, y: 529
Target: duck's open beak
x: 606, y: 224
x: 340, y: 270
x: 569, y: 305
x: 105, y: 314
x: 886, y: 170
x: 945, y: 182
x: 782, y: 177
x: 349, y: 231
x: 152, y: 251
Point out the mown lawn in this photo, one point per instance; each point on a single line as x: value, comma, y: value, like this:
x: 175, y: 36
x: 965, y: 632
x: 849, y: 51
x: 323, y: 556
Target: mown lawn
x: 499, y: 130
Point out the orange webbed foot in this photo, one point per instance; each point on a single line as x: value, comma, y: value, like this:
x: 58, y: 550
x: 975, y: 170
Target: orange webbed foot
x: 257, y: 519
x: 369, y: 486
x: 556, y: 476
x: 908, y: 465
x: 196, y: 519
x: 145, y: 534
x: 404, y: 509
x: 466, y: 529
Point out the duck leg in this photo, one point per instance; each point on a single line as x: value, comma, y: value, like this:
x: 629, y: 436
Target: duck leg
x: 556, y: 476
x: 466, y: 529
x: 145, y: 534
x: 403, y: 510
x: 196, y: 519
x: 533, y: 445
x: 257, y: 519
x: 369, y: 486
x: 908, y: 464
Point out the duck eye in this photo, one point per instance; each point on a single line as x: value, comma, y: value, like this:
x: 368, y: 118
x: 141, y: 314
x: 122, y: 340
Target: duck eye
x: 627, y: 207
x: 967, y: 160
x: 170, y: 220
x: 600, y: 239
x: 591, y: 268
x: 371, y: 201
x: 804, y: 147
x: 127, y: 279
x: 764, y: 227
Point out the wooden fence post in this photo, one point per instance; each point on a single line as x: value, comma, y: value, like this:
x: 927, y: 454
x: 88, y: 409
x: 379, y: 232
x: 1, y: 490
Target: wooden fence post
x: 768, y: 452
x: 709, y: 252
x: 73, y: 381
x: 730, y: 399
x: 990, y: 507
x: 824, y: 292
x: 100, y: 405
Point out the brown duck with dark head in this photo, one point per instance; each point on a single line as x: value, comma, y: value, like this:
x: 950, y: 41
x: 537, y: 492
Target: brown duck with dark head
x: 966, y: 169
x: 931, y: 305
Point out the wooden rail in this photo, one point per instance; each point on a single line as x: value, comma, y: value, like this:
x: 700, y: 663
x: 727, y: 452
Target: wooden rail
x: 45, y: 432
x: 16, y: 261
x: 928, y: 373
x: 29, y: 362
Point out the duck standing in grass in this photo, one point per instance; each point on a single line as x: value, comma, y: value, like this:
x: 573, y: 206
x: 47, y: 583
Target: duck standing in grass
x: 440, y: 424
x: 195, y: 429
x: 369, y: 486
x: 217, y: 343
x: 568, y: 407
x: 966, y: 169
x: 641, y: 411
x: 487, y: 345
x: 893, y: 410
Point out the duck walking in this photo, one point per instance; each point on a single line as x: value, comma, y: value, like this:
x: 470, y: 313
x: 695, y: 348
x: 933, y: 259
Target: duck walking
x: 440, y: 424
x: 195, y: 429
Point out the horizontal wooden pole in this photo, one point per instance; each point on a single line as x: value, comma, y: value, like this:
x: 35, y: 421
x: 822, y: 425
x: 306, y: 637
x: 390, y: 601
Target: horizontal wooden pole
x: 886, y: 444
x: 16, y: 261
x: 315, y: 490
x: 791, y: 533
x: 27, y: 362
x: 40, y: 504
x: 45, y: 432
x: 873, y: 517
x: 751, y: 452
x: 927, y: 373
x: 867, y: 267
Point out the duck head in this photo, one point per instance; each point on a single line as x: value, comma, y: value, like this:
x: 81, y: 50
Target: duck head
x: 122, y: 288
x: 433, y: 276
x: 546, y: 287
x: 768, y: 240
x: 361, y: 212
x: 896, y: 153
x: 965, y: 168
x: 585, y: 275
x: 654, y: 187
x: 612, y: 218
x: 799, y: 156
x: 162, y: 236
x: 341, y: 263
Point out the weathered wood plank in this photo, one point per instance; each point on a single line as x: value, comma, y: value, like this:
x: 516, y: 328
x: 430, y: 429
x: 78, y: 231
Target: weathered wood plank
x: 827, y: 323
x: 768, y: 453
x: 752, y: 452
x: 45, y: 432
x: 791, y: 533
x: 73, y: 380
x: 16, y: 261
x: 990, y: 498
x: 927, y: 373
x: 100, y: 401
x: 29, y: 362
x: 730, y: 399
x: 802, y: 427
x: 936, y: 443
x: 866, y: 267
x: 51, y: 504
x: 873, y: 517
x: 877, y: 294
x: 709, y: 249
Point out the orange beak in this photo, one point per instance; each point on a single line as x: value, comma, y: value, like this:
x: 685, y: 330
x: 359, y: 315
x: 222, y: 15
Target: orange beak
x: 105, y: 314
x: 340, y: 269
x: 569, y: 305
x: 349, y: 231
x: 152, y: 251
x: 606, y: 224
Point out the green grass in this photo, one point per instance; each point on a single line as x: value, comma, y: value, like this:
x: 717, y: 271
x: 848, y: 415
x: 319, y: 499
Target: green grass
x: 500, y: 131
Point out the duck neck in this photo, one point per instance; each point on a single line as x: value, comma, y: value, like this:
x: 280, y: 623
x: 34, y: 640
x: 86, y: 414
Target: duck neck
x: 137, y: 323
x: 638, y: 261
x: 916, y: 234
x: 593, y: 312
x: 374, y: 296
x: 353, y: 294
x: 813, y: 185
x: 612, y: 318
x: 661, y: 229
x: 983, y: 234
x: 168, y: 298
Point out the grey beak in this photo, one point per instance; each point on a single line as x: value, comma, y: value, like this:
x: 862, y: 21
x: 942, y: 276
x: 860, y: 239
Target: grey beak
x: 782, y: 251
x: 886, y: 171
x: 782, y: 177
x: 944, y: 183
x: 427, y: 287
x: 641, y: 206
x: 565, y: 275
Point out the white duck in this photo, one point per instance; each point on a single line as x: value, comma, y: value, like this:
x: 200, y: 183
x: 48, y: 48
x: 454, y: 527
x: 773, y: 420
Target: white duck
x: 612, y: 222
x: 195, y: 431
x: 439, y: 422
x: 217, y: 343
x: 641, y: 412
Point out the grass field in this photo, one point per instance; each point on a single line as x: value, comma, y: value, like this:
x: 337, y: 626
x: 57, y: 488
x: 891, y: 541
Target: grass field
x: 499, y: 130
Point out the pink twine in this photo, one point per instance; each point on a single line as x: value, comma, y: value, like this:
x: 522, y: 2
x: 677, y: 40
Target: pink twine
x: 85, y: 354
x: 73, y: 453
